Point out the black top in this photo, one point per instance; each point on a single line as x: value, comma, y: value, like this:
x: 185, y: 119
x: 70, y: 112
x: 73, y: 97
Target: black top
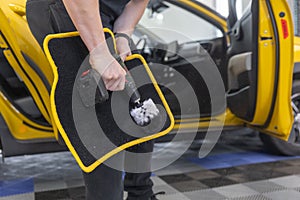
x: 111, y: 10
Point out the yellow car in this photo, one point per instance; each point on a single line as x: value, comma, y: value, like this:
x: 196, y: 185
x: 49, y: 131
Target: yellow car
x: 255, y: 52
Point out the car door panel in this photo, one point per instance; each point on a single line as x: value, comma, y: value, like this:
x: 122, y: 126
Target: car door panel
x: 242, y: 94
x: 262, y: 94
x: 14, y: 44
x: 15, y: 39
x: 280, y: 119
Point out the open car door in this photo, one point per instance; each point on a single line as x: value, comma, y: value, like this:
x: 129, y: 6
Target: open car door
x: 260, y: 66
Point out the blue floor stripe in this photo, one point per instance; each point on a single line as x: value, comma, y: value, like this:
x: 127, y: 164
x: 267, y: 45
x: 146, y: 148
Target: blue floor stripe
x: 14, y: 187
x: 236, y: 159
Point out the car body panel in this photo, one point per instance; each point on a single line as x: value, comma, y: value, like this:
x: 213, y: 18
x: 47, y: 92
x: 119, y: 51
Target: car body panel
x: 297, y: 49
x: 15, y: 31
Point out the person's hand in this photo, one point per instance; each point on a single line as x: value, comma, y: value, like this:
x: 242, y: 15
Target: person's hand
x: 112, y: 74
x: 123, y: 47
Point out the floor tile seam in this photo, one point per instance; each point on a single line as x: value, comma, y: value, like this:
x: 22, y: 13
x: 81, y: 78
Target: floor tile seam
x: 285, y: 189
x: 51, y: 190
x: 12, y: 195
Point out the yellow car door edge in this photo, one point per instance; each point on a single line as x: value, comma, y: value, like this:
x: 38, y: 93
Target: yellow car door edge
x: 276, y: 124
x: 22, y: 117
x: 19, y: 10
x: 14, y: 60
x: 277, y: 65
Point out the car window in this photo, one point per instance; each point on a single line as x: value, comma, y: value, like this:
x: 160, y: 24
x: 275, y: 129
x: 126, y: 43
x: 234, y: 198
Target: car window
x: 174, y: 23
x: 220, y: 6
x: 241, y: 7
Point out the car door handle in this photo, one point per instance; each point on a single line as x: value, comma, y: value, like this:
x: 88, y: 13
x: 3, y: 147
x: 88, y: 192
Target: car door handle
x: 19, y: 10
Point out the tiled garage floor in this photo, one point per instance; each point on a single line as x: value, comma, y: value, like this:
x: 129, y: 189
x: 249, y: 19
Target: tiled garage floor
x: 237, y: 169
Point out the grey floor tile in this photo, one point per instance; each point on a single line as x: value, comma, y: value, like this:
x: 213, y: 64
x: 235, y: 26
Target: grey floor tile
x: 228, y: 171
x: 254, y: 167
x: 77, y: 193
x: 204, y: 174
x: 175, y: 178
x: 177, y: 196
x: 254, y: 175
x: 289, y: 169
x: 285, y: 194
x: 264, y: 186
x: 41, y: 186
x: 49, y: 195
x: 28, y: 196
x: 217, y: 182
x: 72, y: 183
x: 239, y: 178
x: 273, y: 165
x: 186, y: 186
x: 165, y: 188
x: 207, y: 194
x: 158, y: 181
x: 287, y: 181
x: 295, y: 162
x: 165, y: 172
x: 235, y: 191
x: 179, y: 167
x: 252, y: 197
x: 190, y: 168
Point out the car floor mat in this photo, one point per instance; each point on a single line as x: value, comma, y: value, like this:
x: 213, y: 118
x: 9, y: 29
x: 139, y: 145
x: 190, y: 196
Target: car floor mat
x: 95, y: 134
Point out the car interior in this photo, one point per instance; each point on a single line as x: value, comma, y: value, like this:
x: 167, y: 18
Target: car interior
x: 14, y: 88
x: 242, y: 61
x: 236, y: 62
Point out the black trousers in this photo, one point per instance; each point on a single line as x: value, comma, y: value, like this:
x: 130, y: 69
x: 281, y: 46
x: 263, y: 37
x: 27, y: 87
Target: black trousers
x: 47, y: 17
x: 106, y: 183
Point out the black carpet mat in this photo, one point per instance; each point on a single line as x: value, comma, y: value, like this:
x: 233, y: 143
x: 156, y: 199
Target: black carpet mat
x: 83, y: 125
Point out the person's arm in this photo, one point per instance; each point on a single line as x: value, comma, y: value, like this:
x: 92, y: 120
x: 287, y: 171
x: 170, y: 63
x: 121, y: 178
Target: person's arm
x: 86, y: 18
x: 126, y: 23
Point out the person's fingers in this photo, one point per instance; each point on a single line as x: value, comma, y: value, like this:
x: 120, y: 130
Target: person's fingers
x: 121, y: 85
x: 117, y: 80
x: 109, y: 83
x: 123, y: 48
x: 125, y: 55
x: 115, y: 85
x: 118, y: 85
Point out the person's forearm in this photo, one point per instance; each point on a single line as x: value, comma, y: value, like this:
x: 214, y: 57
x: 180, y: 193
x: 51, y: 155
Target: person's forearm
x: 86, y: 18
x: 131, y: 15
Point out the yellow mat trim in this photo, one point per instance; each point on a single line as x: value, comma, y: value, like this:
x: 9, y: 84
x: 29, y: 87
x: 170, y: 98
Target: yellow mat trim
x: 91, y: 167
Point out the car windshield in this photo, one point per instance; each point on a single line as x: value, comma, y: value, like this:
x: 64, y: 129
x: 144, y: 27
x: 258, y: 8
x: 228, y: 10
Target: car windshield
x: 187, y: 26
x: 158, y: 19
x: 222, y: 7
